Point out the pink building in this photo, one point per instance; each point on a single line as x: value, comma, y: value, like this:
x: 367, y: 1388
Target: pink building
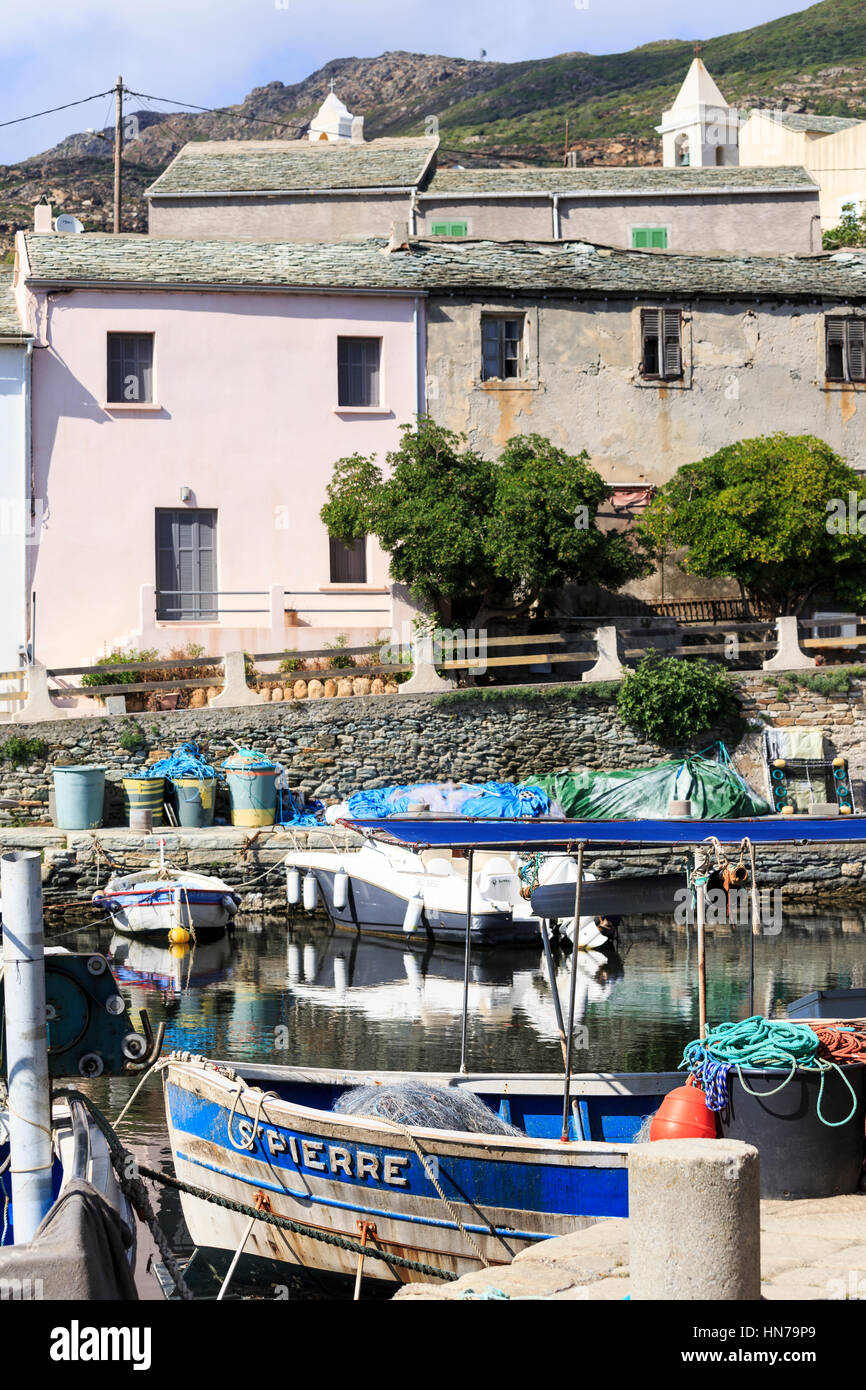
x: 189, y: 401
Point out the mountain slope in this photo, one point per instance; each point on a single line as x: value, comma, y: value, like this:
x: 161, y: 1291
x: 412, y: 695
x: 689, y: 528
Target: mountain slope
x: 494, y: 113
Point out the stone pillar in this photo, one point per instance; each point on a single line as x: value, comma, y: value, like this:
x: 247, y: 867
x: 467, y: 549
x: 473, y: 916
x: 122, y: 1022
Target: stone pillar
x: 235, y: 691
x: 39, y: 704
x: 424, y: 679
x: 694, y: 1220
x: 608, y: 667
x: 789, y: 656
x: 277, y: 609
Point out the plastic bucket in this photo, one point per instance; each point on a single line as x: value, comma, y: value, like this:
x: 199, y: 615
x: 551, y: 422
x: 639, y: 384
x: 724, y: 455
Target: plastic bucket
x: 79, y: 793
x: 252, y: 792
x: 143, y: 794
x: 194, y: 800
x: 801, y: 1156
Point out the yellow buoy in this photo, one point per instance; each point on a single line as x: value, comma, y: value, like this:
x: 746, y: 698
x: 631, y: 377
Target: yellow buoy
x: 844, y: 810
x: 178, y: 936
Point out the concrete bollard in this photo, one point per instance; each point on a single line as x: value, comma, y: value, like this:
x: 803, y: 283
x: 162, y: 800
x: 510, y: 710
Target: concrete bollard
x: 789, y: 655
x: 235, y: 692
x: 694, y: 1220
x: 39, y: 705
x: 425, y: 679
x: 608, y: 666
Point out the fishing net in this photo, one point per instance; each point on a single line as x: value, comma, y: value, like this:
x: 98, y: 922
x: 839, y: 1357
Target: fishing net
x: 427, y: 1107
x: 708, y: 779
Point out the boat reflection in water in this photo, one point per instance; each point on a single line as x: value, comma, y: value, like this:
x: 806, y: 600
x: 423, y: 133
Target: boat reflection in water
x: 168, y: 968
x: 385, y: 984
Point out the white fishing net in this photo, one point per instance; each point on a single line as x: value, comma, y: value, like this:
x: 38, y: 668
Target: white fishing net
x: 426, y: 1106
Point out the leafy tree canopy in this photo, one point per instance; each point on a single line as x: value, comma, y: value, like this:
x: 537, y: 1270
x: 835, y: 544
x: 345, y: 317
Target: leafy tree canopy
x: 477, y: 537
x: 851, y: 230
x: 780, y: 514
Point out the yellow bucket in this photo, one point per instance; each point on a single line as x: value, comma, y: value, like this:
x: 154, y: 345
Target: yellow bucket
x: 144, y: 794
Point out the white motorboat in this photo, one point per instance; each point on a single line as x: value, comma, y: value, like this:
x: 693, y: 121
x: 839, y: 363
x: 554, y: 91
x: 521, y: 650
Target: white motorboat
x: 162, y: 899
x: 393, y: 890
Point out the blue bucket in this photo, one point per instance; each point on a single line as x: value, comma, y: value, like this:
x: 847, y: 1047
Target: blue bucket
x: 78, y: 796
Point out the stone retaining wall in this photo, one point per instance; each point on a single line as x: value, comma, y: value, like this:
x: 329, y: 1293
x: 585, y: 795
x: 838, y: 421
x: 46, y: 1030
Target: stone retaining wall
x: 331, y: 748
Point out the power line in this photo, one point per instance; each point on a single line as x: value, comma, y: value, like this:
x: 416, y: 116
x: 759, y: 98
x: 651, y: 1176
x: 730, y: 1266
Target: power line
x: 51, y: 109
x: 218, y: 111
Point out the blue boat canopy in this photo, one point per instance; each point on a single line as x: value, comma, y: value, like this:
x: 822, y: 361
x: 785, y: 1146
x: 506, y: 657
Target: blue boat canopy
x: 429, y: 832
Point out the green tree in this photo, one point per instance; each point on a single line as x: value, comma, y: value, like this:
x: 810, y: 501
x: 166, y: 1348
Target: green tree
x: 475, y: 538
x: 779, y: 514
x: 851, y: 230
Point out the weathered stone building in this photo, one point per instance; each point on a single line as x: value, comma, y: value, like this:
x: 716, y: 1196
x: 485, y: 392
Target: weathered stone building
x: 338, y: 186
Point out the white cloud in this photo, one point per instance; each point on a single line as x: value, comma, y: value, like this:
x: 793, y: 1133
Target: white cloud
x: 215, y: 51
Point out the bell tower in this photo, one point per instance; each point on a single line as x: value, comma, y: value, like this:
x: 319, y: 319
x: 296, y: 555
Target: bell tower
x: 700, y: 130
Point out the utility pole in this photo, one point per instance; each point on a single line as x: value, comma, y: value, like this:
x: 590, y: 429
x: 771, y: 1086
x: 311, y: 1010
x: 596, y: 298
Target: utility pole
x: 118, y: 150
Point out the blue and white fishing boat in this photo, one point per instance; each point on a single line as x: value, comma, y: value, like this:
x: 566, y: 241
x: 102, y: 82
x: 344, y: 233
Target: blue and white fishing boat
x: 442, y: 1198
x: 291, y: 1139
x: 161, y: 899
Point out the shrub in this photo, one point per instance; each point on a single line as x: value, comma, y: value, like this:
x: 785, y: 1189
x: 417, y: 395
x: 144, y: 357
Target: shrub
x: 132, y: 738
x: 341, y: 659
x: 670, y: 700
x: 17, y: 750
x: 117, y: 658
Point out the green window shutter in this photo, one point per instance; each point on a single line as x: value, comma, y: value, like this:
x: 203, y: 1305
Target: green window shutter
x: 448, y: 228
x: 649, y: 238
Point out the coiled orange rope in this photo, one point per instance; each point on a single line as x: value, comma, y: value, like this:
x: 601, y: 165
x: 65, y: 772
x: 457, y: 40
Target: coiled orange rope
x: 841, y: 1042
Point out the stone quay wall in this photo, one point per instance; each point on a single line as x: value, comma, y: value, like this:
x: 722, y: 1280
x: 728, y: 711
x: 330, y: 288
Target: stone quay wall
x: 332, y: 748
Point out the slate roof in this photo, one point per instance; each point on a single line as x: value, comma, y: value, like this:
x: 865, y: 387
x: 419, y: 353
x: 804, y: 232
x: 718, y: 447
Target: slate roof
x: 625, y: 180
x: 10, y: 323
x: 214, y: 167
x: 820, y: 125
x: 435, y: 267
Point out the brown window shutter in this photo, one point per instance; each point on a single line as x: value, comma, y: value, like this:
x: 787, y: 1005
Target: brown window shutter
x: 650, y: 342
x: 673, y: 353
x: 835, y: 342
x: 857, y: 349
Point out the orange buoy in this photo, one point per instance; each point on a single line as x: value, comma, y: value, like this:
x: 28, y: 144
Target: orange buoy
x: 683, y: 1114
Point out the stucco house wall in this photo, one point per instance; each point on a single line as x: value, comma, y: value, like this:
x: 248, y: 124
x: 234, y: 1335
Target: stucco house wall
x: 245, y: 417
x: 322, y: 217
x: 750, y: 368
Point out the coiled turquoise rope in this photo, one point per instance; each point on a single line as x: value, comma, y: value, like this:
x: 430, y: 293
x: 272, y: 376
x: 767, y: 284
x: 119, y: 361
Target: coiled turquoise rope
x: 759, y: 1042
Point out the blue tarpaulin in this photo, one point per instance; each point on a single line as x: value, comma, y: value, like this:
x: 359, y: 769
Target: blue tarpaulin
x: 490, y: 800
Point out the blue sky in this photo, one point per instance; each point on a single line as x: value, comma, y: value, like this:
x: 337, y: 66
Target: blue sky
x: 212, y: 52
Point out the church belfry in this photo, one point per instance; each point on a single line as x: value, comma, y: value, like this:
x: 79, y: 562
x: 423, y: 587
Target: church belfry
x: 700, y: 129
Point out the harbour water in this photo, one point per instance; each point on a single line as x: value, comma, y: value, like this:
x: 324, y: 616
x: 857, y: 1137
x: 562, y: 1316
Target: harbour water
x: 293, y: 990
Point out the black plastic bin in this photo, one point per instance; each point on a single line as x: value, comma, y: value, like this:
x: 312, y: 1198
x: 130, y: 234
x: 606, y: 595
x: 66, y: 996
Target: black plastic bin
x: 829, y: 1003
x: 800, y: 1155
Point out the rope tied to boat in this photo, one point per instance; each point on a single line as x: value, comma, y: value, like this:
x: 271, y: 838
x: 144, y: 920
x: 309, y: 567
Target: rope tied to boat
x: 761, y: 1042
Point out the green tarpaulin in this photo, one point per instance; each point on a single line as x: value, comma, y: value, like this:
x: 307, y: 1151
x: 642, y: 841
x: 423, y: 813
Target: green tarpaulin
x: 708, y: 779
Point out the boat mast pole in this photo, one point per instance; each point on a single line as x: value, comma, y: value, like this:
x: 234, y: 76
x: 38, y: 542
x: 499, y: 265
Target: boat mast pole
x: 700, y: 916
x: 560, y: 1022
x: 578, y: 893
x: 30, y: 1142
x: 464, y: 1028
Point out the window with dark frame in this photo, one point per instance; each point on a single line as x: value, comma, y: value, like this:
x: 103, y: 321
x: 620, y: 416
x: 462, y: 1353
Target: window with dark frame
x: 358, y: 371
x: 846, y: 349
x: 130, y: 368
x: 348, y: 561
x: 186, y: 577
x: 661, y: 333
x: 501, y: 347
